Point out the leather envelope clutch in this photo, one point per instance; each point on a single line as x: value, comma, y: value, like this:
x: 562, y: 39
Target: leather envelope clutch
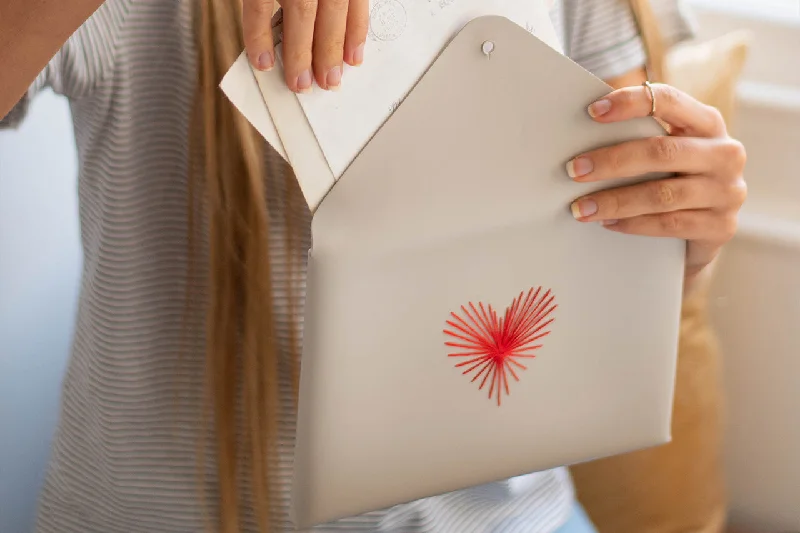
x: 461, y: 326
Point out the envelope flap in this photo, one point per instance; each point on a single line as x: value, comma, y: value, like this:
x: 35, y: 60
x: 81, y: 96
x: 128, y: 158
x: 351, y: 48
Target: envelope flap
x: 482, y: 141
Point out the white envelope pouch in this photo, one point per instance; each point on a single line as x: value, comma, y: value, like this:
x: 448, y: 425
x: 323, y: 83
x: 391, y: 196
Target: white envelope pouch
x: 461, y: 326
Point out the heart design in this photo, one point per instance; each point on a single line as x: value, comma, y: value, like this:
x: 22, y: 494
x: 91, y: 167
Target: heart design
x: 494, y: 344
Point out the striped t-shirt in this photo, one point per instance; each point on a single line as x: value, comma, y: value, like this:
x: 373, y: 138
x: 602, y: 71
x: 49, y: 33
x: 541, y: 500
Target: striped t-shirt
x: 124, y: 457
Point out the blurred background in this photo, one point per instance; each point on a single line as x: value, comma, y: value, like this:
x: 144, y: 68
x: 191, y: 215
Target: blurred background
x: 755, y: 296
x: 40, y: 262
x: 754, y: 299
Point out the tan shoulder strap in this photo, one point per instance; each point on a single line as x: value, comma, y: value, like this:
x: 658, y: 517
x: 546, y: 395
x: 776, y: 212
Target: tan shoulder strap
x: 654, y: 44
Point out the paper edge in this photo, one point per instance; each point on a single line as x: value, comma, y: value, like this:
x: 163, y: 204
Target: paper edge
x: 241, y: 88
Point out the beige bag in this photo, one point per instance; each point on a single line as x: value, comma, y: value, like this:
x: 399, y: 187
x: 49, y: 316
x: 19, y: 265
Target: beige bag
x: 678, y: 487
x: 708, y: 70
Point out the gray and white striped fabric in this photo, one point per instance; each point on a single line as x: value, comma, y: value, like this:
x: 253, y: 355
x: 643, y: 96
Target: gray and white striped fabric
x: 124, y: 456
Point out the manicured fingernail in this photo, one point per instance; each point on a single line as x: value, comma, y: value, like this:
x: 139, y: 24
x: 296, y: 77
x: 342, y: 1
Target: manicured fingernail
x: 580, y: 166
x: 599, y: 108
x: 304, y: 82
x: 358, y: 55
x: 583, y: 208
x: 266, y: 61
x: 334, y: 78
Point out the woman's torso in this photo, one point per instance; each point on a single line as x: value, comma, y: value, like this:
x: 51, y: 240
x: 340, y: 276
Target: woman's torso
x: 125, y: 456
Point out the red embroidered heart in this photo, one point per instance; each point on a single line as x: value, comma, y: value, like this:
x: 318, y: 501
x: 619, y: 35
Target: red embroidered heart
x: 494, y: 344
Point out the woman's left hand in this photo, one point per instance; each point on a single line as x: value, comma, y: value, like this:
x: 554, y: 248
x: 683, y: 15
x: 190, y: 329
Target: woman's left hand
x: 700, y: 204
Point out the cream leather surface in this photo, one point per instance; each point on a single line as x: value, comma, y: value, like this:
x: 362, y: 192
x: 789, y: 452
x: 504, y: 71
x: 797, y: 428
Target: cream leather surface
x: 462, y: 197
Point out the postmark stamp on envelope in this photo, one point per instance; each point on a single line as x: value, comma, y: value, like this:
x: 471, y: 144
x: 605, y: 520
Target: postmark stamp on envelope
x: 387, y: 20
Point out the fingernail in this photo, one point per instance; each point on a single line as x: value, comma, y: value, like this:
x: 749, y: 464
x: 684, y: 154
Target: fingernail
x: 599, y: 108
x: 580, y: 166
x: 304, y: 82
x: 609, y: 222
x: 266, y: 61
x: 583, y: 208
x: 334, y: 78
x: 358, y: 55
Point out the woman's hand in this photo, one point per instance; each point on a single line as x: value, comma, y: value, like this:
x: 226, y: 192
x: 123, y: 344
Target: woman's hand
x: 318, y: 37
x: 700, y: 204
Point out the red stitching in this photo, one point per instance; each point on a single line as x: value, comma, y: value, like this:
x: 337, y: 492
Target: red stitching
x: 493, y: 344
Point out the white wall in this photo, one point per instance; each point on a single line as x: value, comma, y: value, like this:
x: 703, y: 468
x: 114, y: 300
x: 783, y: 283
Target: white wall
x: 39, y: 273
x: 756, y: 295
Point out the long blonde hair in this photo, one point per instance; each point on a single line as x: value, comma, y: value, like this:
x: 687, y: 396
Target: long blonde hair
x: 242, y: 356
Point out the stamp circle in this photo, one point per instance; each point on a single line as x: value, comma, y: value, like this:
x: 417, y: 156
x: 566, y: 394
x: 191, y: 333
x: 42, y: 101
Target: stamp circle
x: 387, y: 20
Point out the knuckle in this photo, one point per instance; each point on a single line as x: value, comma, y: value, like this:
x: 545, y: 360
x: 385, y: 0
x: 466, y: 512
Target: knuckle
x: 257, y: 37
x: 737, y: 193
x: 358, y: 27
x: 296, y: 57
x: 251, y: 44
x: 736, y: 154
x: 716, y: 115
x: 664, y: 149
x: 332, y: 48
x: 338, y: 5
x: 625, y: 98
x: 299, y: 58
x: 671, y: 223
x: 668, y: 96
x: 663, y: 194
x: 306, y: 8
x: 613, y: 204
x: 615, y: 157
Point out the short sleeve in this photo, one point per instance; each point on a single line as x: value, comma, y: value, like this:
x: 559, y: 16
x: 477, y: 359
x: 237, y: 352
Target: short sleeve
x: 675, y: 20
x: 602, y: 35
x: 84, y: 62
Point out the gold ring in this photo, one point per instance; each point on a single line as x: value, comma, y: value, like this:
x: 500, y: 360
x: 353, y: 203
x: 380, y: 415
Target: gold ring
x: 652, y: 98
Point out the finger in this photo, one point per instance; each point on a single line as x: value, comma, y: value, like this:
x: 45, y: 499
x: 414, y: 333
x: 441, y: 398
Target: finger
x: 329, y: 32
x: 686, y: 115
x: 298, y: 35
x: 686, y: 155
x: 655, y: 196
x: 257, y: 32
x: 702, y: 226
x: 356, y: 34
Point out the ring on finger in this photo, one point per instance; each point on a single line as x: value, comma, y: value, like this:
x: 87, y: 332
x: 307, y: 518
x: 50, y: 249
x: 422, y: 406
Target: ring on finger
x: 649, y: 88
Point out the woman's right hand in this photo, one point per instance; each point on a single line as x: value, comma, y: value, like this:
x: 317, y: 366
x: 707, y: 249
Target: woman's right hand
x: 318, y: 37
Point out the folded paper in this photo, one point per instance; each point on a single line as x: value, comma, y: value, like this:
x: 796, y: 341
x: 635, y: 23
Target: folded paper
x: 405, y: 36
x: 320, y: 133
x: 240, y: 86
